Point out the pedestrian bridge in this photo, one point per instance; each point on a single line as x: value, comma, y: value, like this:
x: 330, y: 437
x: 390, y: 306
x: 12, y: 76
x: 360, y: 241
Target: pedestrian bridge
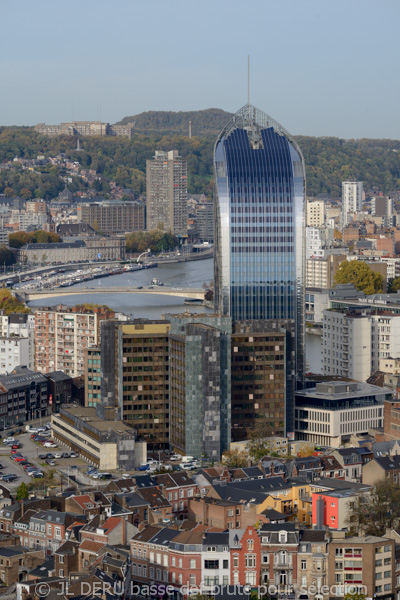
x: 28, y: 295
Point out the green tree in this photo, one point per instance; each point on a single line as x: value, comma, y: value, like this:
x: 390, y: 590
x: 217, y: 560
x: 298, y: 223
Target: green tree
x: 6, y: 256
x: 361, y: 275
x: 22, y: 492
x: 355, y: 596
x: 377, y: 511
x: 394, y: 286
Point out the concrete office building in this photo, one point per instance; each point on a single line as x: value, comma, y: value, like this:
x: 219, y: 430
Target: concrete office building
x: 166, y: 193
x: 135, y: 375
x: 352, y: 198
x: 331, y: 412
x: 86, y: 128
x: 113, y: 217
x: 200, y: 384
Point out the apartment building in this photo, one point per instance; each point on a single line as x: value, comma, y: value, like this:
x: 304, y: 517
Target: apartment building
x: 106, y: 248
x: 92, y: 376
x: 113, y: 217
x: 352, y: 198
x: 364, y: 562
x: 62, y: 336
x: 23, y: 396
x: 315, y: 212
x: 321, y: 271
x: 355, y: 341
x: 331, y: 412
x: 166, y: 192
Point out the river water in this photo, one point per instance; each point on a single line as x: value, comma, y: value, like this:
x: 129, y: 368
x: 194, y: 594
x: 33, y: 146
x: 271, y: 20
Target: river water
x: 185, y: 274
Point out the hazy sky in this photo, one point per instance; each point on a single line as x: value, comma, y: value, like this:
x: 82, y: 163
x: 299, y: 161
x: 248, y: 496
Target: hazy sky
x: 319, y: 67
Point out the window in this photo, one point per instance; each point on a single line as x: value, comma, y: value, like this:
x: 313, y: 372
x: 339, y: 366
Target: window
x: 303, y: 580
x: 180, y: 563
x: 211, y: 564
x: 180, y: 578
x: 236, y: 560
x: 61, y: 558
x: 192, y: 580
x: 304, y: 565
x: 61, y: 572
x: 225, y: 564
x: 250, y: 560
x: 387, y: 574
x: 387, y: 587
x: 250, y: 578
x: 339, y: 551
x: 192, y: 563
x: 173, y: 561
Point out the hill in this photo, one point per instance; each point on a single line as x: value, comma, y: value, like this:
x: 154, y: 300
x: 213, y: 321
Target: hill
x: 208, y: 122
x: 329, y: 160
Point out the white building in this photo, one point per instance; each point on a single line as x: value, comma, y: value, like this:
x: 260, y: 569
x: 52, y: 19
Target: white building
x: 26, y: 219
x: 333, y: 411
x: 317, y: 301
x: 354, y: 342
x: 315, y: 213
x: 17, y: 342
x: 352, y: 197
x: 347, y: 344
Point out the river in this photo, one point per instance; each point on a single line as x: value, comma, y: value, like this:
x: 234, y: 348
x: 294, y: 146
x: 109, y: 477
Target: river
x: 188, y: 274
x: 185, y: 274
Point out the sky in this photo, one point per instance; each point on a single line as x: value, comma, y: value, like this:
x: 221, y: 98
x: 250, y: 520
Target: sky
x: 319, y: 67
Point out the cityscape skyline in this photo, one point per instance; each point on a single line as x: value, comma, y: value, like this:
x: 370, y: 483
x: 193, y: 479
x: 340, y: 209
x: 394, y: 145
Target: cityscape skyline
x: 339, y: 87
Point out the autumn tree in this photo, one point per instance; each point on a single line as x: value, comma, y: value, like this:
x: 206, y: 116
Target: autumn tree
x: 234, y: 459
x: 360, y: 275
x: 373, y: 513
x: 257, y: 436
x: 394, y: 286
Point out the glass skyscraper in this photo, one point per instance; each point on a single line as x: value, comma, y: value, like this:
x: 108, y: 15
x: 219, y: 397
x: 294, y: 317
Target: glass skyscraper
x: 260, y: 224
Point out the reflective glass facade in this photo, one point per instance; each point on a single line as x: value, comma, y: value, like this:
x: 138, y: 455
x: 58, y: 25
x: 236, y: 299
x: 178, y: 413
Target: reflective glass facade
x: 260, y: 223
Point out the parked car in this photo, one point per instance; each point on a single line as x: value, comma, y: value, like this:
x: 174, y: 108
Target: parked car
x: 42, y: 456
x: 20, y: 424
x: 37, y: 474
x: 58, y: 455
x: 49, y: 445
x: 1, y: 466
x: 144, y: 468
x: 50, y: 455
x: 9, y: 477
x: 51, y: 462
x: 126, y: 476
x: 15, y: 446
x: 175, y: 457
x: 73, y: 455
x: 65, y: 455
x: 8, y: 440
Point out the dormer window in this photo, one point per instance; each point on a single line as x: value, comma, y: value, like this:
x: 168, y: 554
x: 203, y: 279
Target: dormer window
x: 282, y: 537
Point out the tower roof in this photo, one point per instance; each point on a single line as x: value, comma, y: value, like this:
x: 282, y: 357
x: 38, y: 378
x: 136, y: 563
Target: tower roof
x: 253, y: 119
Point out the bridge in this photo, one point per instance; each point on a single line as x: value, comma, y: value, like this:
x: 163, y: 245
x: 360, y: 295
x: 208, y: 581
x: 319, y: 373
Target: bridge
x: 28, y: 295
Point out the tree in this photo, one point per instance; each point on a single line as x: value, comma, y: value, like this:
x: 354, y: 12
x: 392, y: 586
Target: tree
x: 355, y: 596
x: 394, y: 286
x: 9, y: 192
x: 6, y: 256
x: 22, y: 492
x: 258, y: 439
x: 372, y: 514
x: 234, y: 459
x: 361, y: 275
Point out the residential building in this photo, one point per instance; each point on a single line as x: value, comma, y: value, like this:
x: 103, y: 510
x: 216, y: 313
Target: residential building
x: 279, y: 549
x: 166, y: 193
x: 15, y: 351
x: 331, y: 412
x: 382, y: 468
x: 320, y: 272
x: 352, y: 198
x: 315, y: 212
x: 365, y: 563
x: 178, y: 488
x: 62, y: 335
x: 113, y: 217
x: 60, y: 389
x: 23, y: 396
x: 312, y: 563
x: 205, y: 221
x: 135, y: 371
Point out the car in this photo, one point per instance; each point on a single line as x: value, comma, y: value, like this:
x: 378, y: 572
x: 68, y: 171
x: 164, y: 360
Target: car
x: 94, y: 475
x: 189, y: 466
x: 143, y: 468
x: 15, y: 455
x: 20, y: 424
x: 19, y: 459
x: 42, y: 456
x: 126, y: 476
x: 1, y: 428
x: 1, y: 467
x: 175, y: 457
x: 17, y: 431
x: 49, y: 445
x: 30, y: 470
x: 51, y: 463
x: 25, y: 464
x: 73, y: 455
x: 11, y: 433
x: 37, y: 474
x: 15, y: 446
x: 50, y: 455
x: 73, y: 467
x: 65, y: 455
x: 58, y: 455
x: 9, y: 477
x: 9, y: 440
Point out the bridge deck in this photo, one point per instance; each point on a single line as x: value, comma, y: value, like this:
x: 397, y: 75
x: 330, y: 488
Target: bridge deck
x: 28, y: 295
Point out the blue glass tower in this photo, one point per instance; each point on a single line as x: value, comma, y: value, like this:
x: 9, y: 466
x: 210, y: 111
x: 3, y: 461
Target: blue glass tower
x: 259, y: 225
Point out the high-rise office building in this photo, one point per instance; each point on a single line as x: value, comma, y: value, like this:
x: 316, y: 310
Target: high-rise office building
x: 260, y: 231
x: 166, y: 193
x: 352, y: 197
